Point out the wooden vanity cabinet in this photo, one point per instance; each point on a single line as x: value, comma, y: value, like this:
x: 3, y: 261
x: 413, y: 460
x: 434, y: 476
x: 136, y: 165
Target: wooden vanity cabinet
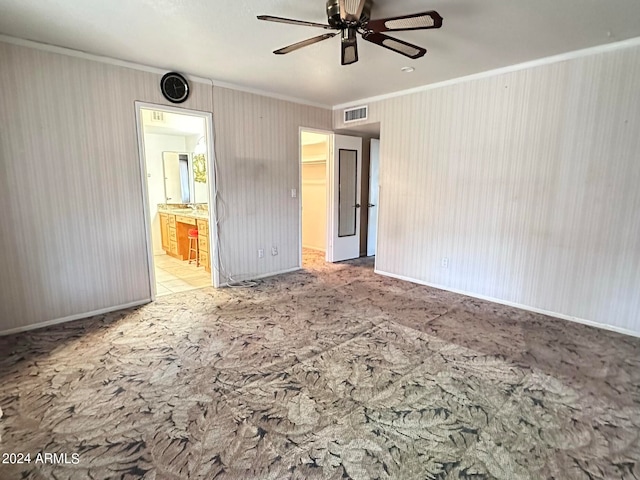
x: 169, y: 234
x: 173, y: 237
x: 164, y: 231
x: 203, y: 244
x: 175, y: 242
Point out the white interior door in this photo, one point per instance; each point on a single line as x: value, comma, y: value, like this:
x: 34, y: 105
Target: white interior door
x: 345, y: 174
x: 374, y: 191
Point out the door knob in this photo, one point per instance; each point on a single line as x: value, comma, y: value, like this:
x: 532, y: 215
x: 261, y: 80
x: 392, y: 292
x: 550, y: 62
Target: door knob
x: 357, y: 205
x: 371, y: 205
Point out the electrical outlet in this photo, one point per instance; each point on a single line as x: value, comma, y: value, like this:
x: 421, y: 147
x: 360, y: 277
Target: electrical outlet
x: 444, y: 263
x: 261, y: 253
x: 274, y: 251
x: 294, y: 193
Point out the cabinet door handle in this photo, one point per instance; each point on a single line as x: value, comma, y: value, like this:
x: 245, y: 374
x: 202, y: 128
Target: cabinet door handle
x: 371, y: 205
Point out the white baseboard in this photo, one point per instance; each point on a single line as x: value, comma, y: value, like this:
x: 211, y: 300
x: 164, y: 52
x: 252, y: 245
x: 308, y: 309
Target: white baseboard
x: 71, y: 318
x: 561, y: 316
x: 266, y: 275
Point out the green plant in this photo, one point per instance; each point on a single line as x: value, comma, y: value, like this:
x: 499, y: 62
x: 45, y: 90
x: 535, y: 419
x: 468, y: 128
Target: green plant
x: 200, y: 168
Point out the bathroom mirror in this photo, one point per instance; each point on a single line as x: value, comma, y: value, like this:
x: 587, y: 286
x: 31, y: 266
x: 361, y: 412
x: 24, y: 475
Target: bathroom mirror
x: 177, y: 177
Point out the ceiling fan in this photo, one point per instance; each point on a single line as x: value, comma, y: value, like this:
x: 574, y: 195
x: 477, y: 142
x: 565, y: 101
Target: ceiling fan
x: 353, y: 16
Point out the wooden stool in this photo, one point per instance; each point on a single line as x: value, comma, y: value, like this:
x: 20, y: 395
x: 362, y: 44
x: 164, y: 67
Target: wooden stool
x: 192, y: 235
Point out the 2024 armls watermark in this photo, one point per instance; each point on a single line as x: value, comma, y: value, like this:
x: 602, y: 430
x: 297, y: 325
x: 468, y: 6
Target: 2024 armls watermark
x: 41, y: 458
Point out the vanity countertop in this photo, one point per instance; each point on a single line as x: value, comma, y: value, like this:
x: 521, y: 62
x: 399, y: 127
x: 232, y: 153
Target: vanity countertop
x: 186, y: 212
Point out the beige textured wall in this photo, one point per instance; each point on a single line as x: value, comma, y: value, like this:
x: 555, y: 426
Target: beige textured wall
x: 527, y: 181
x: 315, y: 151
x: 257, y: 146
x: 72, y: 239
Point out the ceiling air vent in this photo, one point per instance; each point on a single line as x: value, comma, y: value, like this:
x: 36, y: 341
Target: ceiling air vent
x: 356, y: 114
x: 157, y: 117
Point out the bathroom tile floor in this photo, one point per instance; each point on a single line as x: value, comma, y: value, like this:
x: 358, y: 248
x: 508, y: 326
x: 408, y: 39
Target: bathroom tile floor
x: 173, y: 276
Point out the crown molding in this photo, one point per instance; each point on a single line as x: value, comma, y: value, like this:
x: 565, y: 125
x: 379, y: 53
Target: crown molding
x: 562, y: 57
x: 623, y: 44
x: 148, y: 68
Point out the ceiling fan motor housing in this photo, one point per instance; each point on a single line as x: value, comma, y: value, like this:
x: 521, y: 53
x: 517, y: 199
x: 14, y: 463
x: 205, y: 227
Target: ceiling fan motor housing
x: 333, y: 13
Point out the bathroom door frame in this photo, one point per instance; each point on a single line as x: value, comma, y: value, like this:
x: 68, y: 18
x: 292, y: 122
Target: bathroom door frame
x: 211, y: 180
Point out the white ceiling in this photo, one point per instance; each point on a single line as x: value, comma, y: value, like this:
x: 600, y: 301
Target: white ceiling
x: 224, y: 41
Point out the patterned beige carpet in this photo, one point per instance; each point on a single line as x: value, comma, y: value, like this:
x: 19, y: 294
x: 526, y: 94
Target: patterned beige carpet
x: 328, y: 373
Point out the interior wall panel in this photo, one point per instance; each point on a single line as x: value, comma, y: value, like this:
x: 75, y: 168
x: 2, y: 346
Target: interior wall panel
x: 526, y: 181
x: 72, y: 236
x: 259, y: 165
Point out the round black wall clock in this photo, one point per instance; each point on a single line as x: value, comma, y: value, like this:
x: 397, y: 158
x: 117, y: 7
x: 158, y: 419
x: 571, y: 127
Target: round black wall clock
x: 175, y: 87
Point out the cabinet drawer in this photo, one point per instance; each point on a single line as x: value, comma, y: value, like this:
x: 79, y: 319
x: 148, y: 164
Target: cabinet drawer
x: 203, y: 227
x: 204, y: 259
x: 172, y: 234
x: 172, y: 220
x: 173, y: 247
x: 203, y: 243
x: 187, y: 220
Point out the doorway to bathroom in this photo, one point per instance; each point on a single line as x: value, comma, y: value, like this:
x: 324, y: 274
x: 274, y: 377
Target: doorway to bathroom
x: 176, y: 159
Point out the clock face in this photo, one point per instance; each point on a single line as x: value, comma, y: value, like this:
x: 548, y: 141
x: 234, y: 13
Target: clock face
x: 174, y: 87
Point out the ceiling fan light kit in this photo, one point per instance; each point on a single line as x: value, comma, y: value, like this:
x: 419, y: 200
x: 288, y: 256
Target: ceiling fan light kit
x: 352, y: 17
x: 349, y: 46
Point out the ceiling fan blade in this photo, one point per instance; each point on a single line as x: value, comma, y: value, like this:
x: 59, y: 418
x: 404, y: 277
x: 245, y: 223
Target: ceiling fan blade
x: 398, y: 46
x: 349, y: 46
x: 417, y: 21
x: 269, y: 18
x: 304, y: 43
